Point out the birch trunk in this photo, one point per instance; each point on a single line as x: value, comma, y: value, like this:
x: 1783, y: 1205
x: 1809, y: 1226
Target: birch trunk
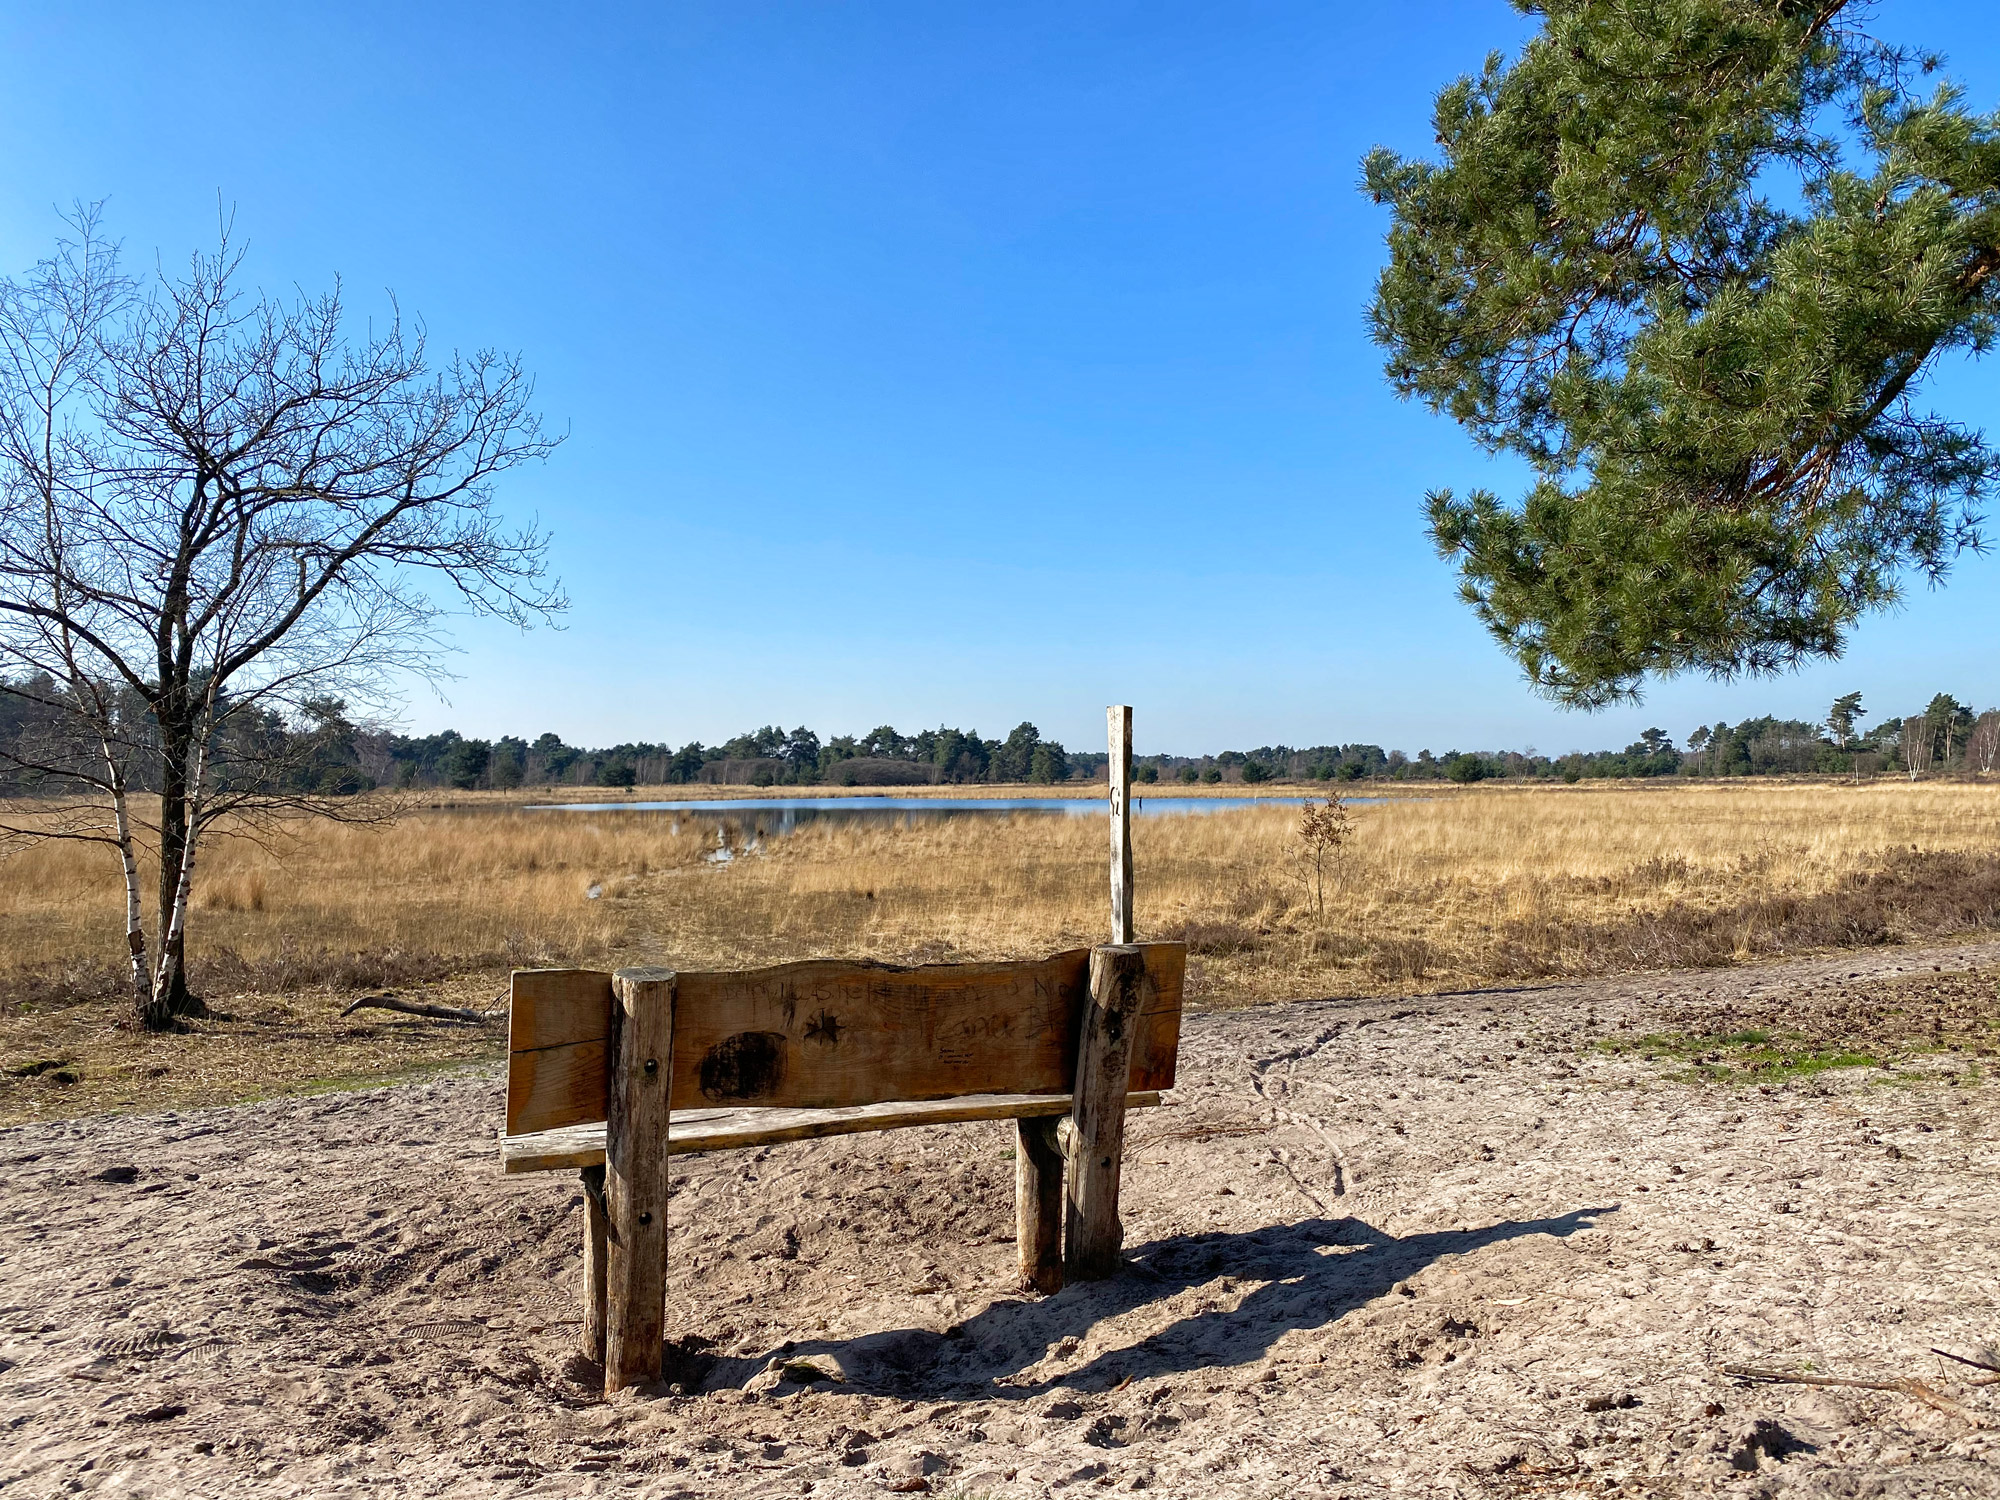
x: 135, y: 915
x: 170, y: 987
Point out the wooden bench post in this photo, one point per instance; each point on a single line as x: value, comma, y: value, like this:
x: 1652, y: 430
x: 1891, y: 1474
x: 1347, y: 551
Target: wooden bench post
x: 1038, y: 1204
x: 635, y: 1157
x: 1093, y: 1235
x: 1120, y: 723
x: 594, y: 1248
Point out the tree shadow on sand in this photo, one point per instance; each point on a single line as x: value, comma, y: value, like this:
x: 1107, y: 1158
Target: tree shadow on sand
x: 1314, y: 1272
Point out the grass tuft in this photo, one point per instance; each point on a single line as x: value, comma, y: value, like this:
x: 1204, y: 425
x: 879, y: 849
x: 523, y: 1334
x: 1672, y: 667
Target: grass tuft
x: 1453, y: 889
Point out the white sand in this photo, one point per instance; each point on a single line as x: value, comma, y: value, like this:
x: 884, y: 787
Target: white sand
x: 1376, y: 1248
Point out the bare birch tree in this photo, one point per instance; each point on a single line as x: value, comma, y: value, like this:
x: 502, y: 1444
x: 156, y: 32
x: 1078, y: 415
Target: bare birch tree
x: 1919, y: 744
x: 217, y: 507
x: 1982, y: 745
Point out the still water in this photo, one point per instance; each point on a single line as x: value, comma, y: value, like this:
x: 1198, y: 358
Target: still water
x: 780, y: 815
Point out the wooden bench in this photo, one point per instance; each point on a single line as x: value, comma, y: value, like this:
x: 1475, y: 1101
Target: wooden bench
x: 832, y: 1048
x: 1061, y: 1046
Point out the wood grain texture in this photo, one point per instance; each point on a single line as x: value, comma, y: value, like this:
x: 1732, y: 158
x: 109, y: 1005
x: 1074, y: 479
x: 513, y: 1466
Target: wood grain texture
x: 635, y: 1175
x: 594, y: 1251
x: 557, y: 1086
x: 1038, y: 1204
x: 1093, y: 1236
x: 557, y: 1023
x: 698, y: 1130
x: 551, y: 1007
x: 832, y: 1034
x: 1119, y: 723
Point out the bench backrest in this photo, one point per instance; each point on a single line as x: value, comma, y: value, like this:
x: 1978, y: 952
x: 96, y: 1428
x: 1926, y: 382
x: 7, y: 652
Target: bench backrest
x: 831, y: 1033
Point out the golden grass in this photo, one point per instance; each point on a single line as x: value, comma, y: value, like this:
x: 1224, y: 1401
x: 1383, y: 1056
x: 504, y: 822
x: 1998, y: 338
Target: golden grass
x: 1455, y: 889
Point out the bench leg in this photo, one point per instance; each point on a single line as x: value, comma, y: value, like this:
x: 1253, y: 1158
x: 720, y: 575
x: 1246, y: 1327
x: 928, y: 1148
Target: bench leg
x: 1093, y: 1235
x: 1038, y: 1204
x: 593, y: 1265
x: 635, y: 1160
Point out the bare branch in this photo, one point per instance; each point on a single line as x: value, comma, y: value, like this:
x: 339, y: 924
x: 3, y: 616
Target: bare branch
x: 224, y: 518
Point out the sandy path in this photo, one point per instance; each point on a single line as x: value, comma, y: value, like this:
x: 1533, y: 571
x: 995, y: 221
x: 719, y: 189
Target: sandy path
x: 1426, y: 1247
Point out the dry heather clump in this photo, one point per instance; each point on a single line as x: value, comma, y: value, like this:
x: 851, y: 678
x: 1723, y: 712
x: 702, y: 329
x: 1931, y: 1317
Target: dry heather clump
x: 1455, y: 891
x: 1452, y: 889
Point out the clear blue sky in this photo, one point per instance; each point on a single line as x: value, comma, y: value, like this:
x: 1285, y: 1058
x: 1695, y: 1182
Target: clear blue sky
x: 922, y: 362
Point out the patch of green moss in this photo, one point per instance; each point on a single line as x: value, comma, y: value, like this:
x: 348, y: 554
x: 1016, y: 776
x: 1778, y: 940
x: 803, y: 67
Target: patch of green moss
x: 1737, y: 1056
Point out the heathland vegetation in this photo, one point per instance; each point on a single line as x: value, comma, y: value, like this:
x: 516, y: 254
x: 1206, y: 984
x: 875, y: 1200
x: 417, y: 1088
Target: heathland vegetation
x: 1457, y: 888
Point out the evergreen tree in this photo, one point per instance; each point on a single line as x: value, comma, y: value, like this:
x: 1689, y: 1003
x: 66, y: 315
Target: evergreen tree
x: 686, y: 763
x: 1047, y: 763
x: 1843, y: 718
x: 1951, y: 722
x: 1014, y: 759
x: 1692, y: 260
x: 508, y: 767
x: 466, y: 762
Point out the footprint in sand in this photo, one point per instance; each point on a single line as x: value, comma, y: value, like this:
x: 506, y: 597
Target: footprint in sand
x: 127, y: 1345
x: 447, y: 1330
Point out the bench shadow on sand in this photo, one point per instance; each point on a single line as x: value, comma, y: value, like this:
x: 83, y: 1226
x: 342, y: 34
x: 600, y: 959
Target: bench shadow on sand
x: 1315, y: 1271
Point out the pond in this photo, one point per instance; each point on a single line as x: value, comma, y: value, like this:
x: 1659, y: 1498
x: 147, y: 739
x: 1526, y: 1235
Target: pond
x: 779, y: 815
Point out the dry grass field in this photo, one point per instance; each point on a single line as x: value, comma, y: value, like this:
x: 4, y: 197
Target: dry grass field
x: 1452, y: 889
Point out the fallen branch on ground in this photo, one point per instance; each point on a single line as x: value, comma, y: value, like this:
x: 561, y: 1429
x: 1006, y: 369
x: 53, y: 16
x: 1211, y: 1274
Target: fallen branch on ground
x: 1986, y: 1362
x: 418, y: 1008
x: 1907, y: 1387
x: 1977, y: 1364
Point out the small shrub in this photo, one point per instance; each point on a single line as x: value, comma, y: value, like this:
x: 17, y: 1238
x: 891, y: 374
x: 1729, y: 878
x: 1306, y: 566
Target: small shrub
x: 1323, y: 828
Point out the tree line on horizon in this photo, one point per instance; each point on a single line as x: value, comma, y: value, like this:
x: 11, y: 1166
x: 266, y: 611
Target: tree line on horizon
x: 322, y: 751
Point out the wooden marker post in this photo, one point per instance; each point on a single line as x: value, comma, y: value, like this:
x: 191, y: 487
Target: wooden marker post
x: 1094, y: 1236
x: 635, y: 1159
x: 1120, y: 717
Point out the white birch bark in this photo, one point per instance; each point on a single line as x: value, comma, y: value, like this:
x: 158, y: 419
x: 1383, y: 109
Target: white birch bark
x: 135, y: 916
x: 176, y: 920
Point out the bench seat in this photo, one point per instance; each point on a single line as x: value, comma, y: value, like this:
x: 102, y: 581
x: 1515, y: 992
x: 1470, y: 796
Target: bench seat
x: 695, y: 1130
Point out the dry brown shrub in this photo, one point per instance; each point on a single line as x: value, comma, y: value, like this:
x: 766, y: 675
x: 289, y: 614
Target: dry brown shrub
x: 1910, y: 895
x: 1207, y: 938
x: 1453, y: 889
x: 1406, y: 960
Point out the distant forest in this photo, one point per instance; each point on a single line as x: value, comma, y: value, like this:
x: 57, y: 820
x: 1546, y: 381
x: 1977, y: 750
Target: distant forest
x: 325, y: 752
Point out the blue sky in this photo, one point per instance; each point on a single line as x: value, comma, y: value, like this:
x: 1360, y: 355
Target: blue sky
x: 921, y: 362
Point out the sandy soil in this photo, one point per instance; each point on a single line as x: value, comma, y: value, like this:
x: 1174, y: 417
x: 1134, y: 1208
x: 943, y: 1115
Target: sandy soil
x: 1436, y: 1247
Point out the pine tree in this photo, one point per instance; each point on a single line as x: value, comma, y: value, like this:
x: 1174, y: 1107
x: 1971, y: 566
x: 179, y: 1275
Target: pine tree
x: 1843, y: 717
x: 1692, y: 260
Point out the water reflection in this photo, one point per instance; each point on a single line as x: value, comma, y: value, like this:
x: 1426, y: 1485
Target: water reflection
x: 774, y: 816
